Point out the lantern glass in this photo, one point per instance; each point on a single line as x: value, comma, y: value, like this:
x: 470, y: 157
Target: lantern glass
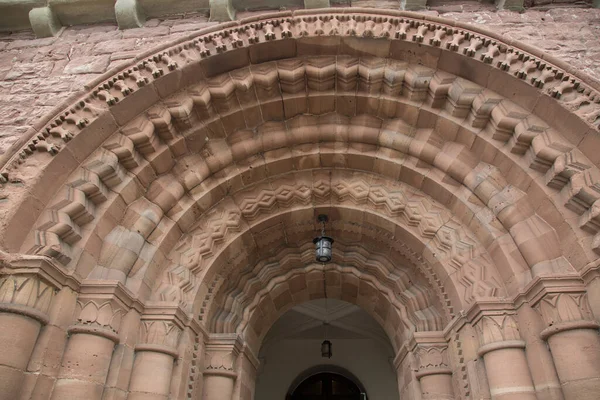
x: 326, y: 349
x: 323, y: 249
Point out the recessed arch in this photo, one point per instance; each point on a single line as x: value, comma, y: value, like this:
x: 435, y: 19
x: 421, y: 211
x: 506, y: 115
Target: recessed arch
x: 198, y: 143
x: 324, y: 369
x: 382, y: 34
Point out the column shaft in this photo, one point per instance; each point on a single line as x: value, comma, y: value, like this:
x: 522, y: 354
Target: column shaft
x: 436, y: 385
x: 18, y: 335
x: 220, y: 365
x: 538, y: 355
x: 507, y: 371
x: 24, y: 303
x: 218, y: 386
x: 85, y: 364
x: 572, y: 335
x: 152, y: 372
x: 576, y: 353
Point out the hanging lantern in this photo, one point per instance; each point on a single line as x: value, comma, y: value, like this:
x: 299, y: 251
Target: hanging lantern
x: 326, y: 349
x: 323, y: 244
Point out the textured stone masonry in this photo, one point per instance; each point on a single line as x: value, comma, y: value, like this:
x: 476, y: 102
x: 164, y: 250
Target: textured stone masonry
x: 155, y: 225
x: 37, y: 74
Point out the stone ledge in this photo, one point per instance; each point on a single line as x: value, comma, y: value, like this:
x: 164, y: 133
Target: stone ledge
x: 16, y: 14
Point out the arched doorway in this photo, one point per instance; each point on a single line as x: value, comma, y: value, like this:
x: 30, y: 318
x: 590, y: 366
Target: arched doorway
x: 290, y: 353
x: 164, y: 219
x: 327, y: 386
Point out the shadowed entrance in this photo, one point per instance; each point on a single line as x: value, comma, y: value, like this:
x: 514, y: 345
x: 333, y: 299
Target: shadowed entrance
x: 292, y: 366
x: 327, y: 386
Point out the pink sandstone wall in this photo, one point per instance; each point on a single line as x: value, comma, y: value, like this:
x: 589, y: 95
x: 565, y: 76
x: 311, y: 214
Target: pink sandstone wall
x: 36, y: 75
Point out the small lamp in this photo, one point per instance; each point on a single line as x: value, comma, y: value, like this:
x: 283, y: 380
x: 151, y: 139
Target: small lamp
x: 323, y: 244
x: 326, y: 349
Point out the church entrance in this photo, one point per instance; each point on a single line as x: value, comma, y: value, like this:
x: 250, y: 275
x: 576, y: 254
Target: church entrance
x: 327, y: 386
x: 293, y: 366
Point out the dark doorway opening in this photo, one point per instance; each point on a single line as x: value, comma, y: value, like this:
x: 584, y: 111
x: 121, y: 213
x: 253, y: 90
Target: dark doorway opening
x: 327, y: 386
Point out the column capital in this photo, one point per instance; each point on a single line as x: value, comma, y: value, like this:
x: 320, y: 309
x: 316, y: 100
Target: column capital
x: 27, y: 287
x: 562, y: 303
x: 495, y: 322
x: 430, y: 350
x: 222, y: 351
x: 160, y: 329
x: 48, y: 269
x: 100, y: 307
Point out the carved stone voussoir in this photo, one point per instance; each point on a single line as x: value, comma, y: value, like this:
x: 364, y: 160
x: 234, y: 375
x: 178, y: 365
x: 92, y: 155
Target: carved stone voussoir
x: 547, y: 75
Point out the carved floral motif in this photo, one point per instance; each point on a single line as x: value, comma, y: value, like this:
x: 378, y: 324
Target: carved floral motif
x: 565, y: 307
x: 26, y: 290
x: 160, y: 332
x: 100, y: 312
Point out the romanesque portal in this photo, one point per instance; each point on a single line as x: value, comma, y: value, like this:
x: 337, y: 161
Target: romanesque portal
x: 158, y: 225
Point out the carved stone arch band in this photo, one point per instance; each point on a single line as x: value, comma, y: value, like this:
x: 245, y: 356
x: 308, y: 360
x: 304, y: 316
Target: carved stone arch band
x: 161, y: 220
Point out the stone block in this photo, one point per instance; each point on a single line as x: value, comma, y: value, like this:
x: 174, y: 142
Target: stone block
x: 411, y: 5
x: 78, y: 12
x: 44, y: 22
x: 14, y: 15
x: 316, y: 4
x: 513, y: 5
x: 221, y: 10
x: 129, y: 14
x: 158, y: 8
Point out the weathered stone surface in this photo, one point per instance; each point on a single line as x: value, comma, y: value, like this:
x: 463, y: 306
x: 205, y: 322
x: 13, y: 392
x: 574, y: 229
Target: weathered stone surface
x: 129, y: 14
x: 44, y: 22
x: 87, y: 65
x: 179, y: 197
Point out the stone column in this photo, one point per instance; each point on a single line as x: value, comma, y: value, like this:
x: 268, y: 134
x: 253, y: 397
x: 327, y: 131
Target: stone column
x: 24, y: 303
x: 222, y: 351
x: 154, y: 356
x: 405, y: 363
x: 502, y: 350
x: 433, y: 367
x: 87, y: 357
x: 572, y: 335
x: 541, y: 365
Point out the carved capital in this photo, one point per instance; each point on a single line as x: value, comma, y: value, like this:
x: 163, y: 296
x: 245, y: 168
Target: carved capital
x: 28, y: 284
x: 161, y: 329
x: 562, y: 303
x: 26, y: 294
x: 495, y: 322
x: 222, y: 351
x: 430, y: 351
x: 101, y: 306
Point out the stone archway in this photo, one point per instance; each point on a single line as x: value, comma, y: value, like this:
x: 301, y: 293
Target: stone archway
x: 162, y: 214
